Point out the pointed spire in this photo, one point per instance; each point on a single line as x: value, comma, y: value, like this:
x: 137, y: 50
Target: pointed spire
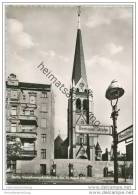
x: 79, y: 12
x: 79, y: 70
x: 98, y: 148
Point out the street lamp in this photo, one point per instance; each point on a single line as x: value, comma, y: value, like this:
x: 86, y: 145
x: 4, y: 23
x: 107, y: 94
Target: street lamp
x: 113, y: 93
x: 125, y: 166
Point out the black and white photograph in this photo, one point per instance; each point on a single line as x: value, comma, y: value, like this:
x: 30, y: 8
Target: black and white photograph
x: 69, y: 94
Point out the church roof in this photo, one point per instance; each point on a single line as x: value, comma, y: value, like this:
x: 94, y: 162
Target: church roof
x: 65, y: 142
x: 58, y: 140
x: 79, y: 70
x: 97, y: 147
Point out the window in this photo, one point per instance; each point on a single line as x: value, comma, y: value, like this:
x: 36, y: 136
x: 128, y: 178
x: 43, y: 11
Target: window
x: 77, y: 139
x: 44, y: 94
x: 27, y: 112
x: 43, y: 123
x: 43, y: 107
x: 23, y: 112
x: 85, y: 105
x: 14, y: 110
x: 77, y: 90
x: 91, y: 142
x: 82, y: 122
x: 43, y: 153
x: 81, y: 139
x: 32, y: 99
x: 99, y: 154
x: 31, y: 112
x: 43, y: 115
x: 78, y: 105
x: 43, y: 136
x: 43, y: 169
x: 14, y: 94
x: 13, y: 127
x: 85, y: 139
x: 24, y: 97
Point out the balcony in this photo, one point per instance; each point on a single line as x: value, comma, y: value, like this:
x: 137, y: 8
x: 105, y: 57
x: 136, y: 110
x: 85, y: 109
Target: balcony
x: 28, y: 117
x: 23, y: 130
x: 28, y: 120
x: 27, y: 154
x: 13, y: 118
x: 26, y: 136
x: 27, y: 105
x: 14, y: 98
x: 14, y: 101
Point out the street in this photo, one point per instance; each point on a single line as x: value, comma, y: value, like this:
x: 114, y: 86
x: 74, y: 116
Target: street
x: 66, y: 181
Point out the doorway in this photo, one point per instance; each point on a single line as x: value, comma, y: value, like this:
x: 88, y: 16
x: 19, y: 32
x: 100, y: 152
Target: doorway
x: 43, y: 169
x: 89, y: 171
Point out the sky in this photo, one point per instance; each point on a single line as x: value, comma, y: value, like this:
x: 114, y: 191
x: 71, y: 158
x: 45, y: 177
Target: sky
x: 36, y: 33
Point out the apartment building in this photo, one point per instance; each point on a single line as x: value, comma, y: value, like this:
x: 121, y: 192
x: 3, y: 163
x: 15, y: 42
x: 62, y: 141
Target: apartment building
x: 29, y: 126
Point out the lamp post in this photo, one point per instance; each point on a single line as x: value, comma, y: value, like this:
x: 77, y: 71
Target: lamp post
x: 113, y: 93
x: 125, y: 167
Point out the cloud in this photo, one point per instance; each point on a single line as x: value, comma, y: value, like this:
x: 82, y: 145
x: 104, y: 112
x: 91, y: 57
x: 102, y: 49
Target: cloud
x: 106, y: 16
x: 103, y: 64
x: 17, y: 36
x: 114, y: 49
x: 63, y: 58
x: 97, y: 20
x: 125, y: 13
x: 50, y: 53
x: 17, y: 64
x: 99, y: 61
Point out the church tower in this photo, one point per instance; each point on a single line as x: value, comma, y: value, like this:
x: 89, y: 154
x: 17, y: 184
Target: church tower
x: 81, y: 144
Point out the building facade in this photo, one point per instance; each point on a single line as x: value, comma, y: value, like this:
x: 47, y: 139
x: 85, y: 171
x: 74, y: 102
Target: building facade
x: 29, y: 126
x: 129, y: 152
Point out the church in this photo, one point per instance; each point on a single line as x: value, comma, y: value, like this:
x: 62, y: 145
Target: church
x: 81, y: 145
x: 80, y: 109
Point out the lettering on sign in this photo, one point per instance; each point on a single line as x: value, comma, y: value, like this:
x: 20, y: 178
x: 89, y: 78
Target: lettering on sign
x: 125, y: 134
x: 101, y: 130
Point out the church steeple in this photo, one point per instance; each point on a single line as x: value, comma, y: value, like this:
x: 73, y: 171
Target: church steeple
x: 80, y: 143
x: 79, y: 70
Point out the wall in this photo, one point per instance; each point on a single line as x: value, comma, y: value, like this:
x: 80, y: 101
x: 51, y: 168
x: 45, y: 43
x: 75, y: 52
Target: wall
x: 32, y: 166
x: 79, y: 165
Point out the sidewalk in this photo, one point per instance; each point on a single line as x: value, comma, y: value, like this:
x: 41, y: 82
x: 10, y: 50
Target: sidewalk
x: 47, y: 180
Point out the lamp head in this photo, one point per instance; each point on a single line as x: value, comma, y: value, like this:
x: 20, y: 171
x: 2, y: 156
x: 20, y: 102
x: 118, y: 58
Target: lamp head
x: 114, y: 91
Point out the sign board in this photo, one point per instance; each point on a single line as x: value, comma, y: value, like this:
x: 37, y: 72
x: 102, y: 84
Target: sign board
x: 90, y: 129
x: 125, y: 134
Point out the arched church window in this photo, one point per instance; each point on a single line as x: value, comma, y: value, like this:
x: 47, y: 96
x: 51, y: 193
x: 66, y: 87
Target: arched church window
x: 78, y: 105
x: 82, y: 122
x: 77, y: 139
x: 85, y: 105
x: 85, y: 139
x: 86, y: 90
x: 77, y: 90
x: 81, y: 139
